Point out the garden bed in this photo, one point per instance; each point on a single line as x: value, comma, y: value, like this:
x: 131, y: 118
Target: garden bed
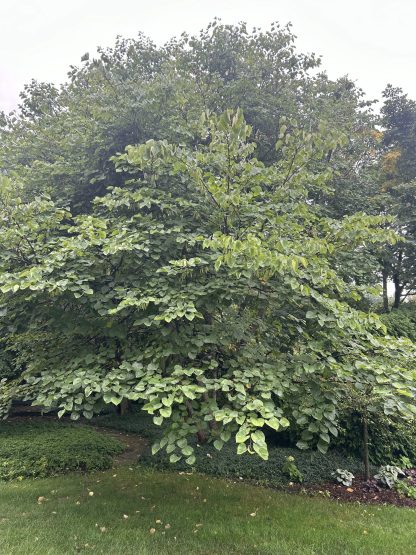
x: 361, y: 491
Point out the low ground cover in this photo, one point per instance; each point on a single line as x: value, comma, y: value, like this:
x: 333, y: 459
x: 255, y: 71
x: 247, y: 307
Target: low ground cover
x: 314, y: 466
x: 43, y: 447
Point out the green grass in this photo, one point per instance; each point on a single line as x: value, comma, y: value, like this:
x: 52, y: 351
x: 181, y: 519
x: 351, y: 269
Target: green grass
x: 43, y: 447
x: 206, y: 516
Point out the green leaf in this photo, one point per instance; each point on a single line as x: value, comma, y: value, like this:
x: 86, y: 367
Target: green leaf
x: 257, y: 421
x: 261, y: 451
x: 311, y: 314
x: 188, y: 450
x: 242, y: 435
x: 258, y: 437
x: 166, y: 412
x: 225, y: 436
x: 181, y: 443
x: 322, y: 446
x: 241, y: 448
x: 155, y: 448
x: 218, y: 444
x: 273, y: 423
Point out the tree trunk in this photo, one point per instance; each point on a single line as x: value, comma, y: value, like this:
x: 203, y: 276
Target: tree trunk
x: 398, y: 290
x: 385, y: 292
x: 201, y: 437
x: 123, y: 407
x: 398, y: 287
x: 366, y: 458
x: 200, y: 434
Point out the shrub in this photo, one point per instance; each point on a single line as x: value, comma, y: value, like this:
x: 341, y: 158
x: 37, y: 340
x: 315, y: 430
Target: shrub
x: 45, y: 448
x: 401, y: 322
x: 388, y: 440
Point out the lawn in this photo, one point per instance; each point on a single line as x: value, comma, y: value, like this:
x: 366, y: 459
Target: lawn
x: 191, y: 514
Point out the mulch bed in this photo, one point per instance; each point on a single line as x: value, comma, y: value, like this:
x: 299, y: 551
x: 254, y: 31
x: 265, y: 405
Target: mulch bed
x: 360, y: 492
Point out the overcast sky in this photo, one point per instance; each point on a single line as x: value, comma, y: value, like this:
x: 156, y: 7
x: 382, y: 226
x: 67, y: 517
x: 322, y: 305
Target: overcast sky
x: 373, y: 41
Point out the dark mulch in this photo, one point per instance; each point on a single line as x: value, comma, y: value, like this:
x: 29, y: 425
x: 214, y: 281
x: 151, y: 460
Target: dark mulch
x: 360, y: 492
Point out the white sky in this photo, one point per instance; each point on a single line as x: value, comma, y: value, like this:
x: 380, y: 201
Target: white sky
x: 373, y: 41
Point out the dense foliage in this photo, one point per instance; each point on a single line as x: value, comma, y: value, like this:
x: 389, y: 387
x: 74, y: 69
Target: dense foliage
x: 389, y: 438
x: 402, y: 321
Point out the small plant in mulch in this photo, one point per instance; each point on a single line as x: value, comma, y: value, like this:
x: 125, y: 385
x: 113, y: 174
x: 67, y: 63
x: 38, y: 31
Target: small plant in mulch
x: 344, y: 477
x: 401, y: 479
x: 388, y: 475
x: 291, y: 470
x: 406, y: 488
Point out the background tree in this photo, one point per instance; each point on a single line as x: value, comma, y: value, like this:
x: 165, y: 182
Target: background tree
x: 60, y: 140
x: 399, y: 175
